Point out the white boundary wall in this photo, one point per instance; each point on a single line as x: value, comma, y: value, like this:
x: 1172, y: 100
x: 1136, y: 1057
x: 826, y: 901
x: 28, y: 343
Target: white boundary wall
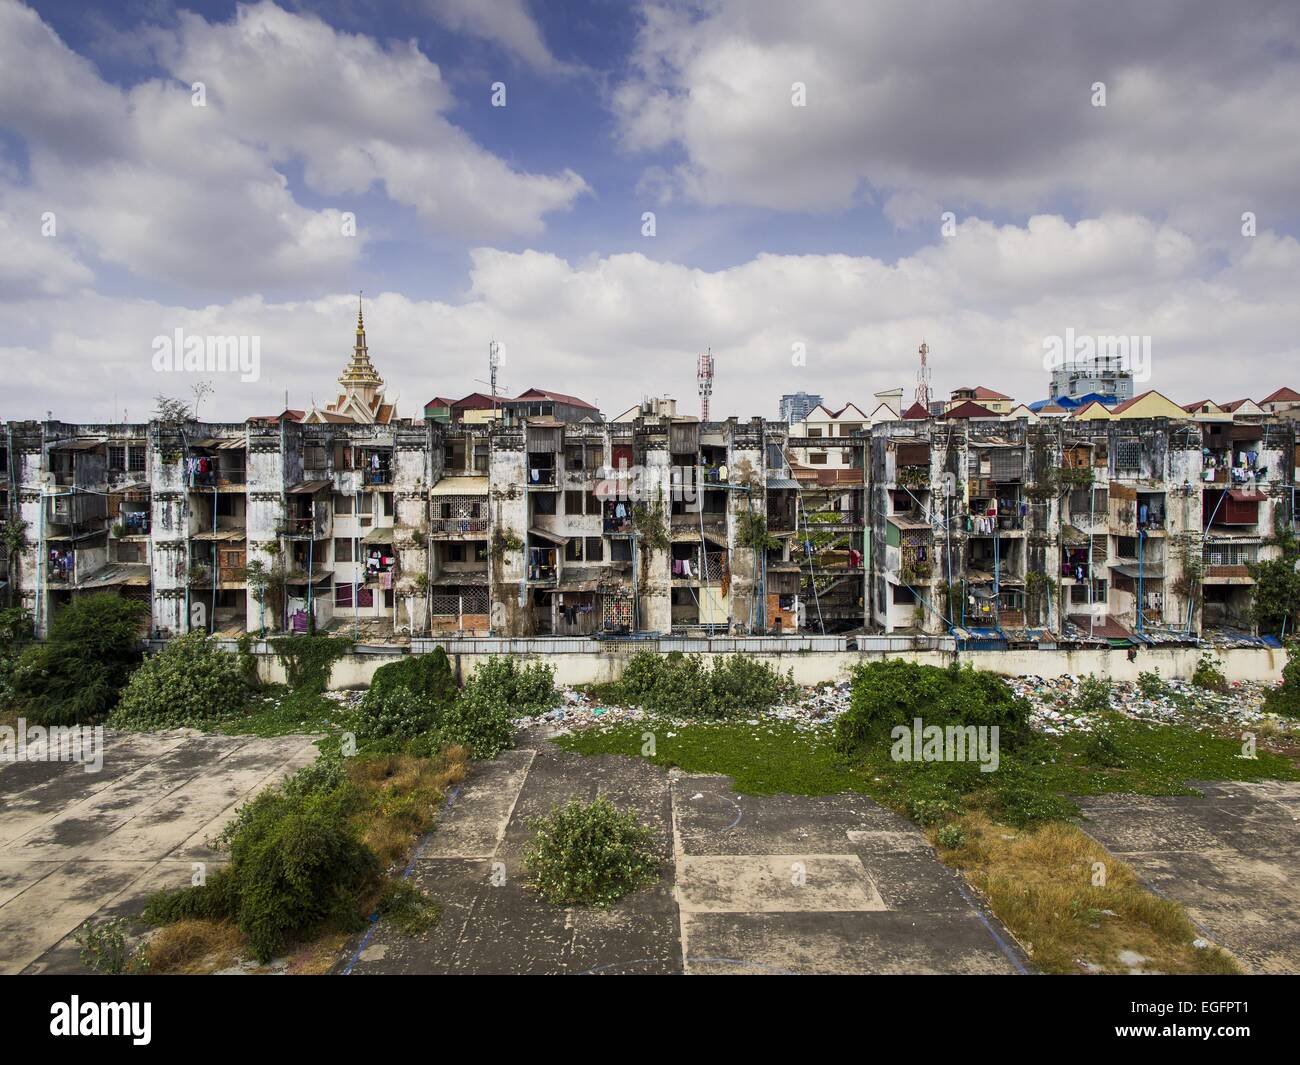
x: 812, y: 667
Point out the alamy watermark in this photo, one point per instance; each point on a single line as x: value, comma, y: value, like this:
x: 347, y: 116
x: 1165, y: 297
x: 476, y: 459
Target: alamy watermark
x: 193, y: 353
x: 1091, y: 353
x: 946, y: 743
x: 55, y: 743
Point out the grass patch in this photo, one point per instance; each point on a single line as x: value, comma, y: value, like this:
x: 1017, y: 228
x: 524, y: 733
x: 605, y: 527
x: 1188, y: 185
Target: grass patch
x: 1073, y: 906
x: 1005, y: 830
x: 195, y: 947
x: 407, y: 908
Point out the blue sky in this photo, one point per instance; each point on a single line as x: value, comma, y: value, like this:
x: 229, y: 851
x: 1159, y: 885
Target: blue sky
x: 779, y: 228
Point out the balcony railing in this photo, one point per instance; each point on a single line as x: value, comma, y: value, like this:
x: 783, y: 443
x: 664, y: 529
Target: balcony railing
x: 541, y: 475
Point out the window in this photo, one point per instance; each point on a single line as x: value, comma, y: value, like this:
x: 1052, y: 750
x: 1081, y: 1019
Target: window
x: 342, y: 595
x: 573, y: 502
x: 342, y: 504
x: 620, y: 550
x: 814, y: 432
x: 116, y: 458
x: 388, y: 598
x: 135, y: 458
x: 544, y: 503
x: 455, y: 552
x: 313, y: 457
x: 595, y: 549
x: 903, y: 594
x: 388, y: 504
x: 573, y: 550
x: 818, y: 458
x: 343, y: 550
x: 365, y: 503
x: 1128, y: 455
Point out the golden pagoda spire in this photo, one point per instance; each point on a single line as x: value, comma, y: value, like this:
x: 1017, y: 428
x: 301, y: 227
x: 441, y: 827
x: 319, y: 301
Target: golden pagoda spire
x: 360, y: 373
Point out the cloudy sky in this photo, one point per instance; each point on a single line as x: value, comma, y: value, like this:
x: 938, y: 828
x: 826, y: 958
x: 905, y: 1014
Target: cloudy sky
x: 799, y: 160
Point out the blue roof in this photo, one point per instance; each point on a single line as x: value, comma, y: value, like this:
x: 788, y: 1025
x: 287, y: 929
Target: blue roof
x: 1073, y: 403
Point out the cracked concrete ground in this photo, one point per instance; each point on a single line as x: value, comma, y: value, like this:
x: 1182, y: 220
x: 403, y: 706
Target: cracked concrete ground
x: 75, y: 845
x: 757, y: 884
x: 1231, y: 856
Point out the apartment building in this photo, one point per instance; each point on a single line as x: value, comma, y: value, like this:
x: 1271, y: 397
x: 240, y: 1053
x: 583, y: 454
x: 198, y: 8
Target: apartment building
x: 534, y: 516
x: 1065, y: 530
x: 392, y: 529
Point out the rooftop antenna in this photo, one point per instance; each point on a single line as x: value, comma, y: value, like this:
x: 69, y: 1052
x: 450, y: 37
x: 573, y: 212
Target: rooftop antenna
x: 923, y: 378
x: 704, y: 377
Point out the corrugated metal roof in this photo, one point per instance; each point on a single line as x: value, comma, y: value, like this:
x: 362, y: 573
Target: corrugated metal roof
x: 781, y: 482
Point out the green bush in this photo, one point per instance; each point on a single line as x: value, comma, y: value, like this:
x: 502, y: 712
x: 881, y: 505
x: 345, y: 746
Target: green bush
x: 1209, y: 674
x: 1104, y: 746
x: 528, y: 690
x: 296, y: 861
x: 1152, y: 685
x: 590, y: 854
x: 76, y: 675
x: 1285, y: 699
x: 1093, y: 696
x: 896, y: 692
x: 104, y: 950
x: 480, y: 720
x: 951, y: 837
x: 191, y: 682
x: 683, y: 685
x: 399, y: 713
x: 429, y: 677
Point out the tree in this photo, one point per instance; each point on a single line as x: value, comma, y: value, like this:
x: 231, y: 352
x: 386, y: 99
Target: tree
x: 1275, y: 598
x: 74, y: 677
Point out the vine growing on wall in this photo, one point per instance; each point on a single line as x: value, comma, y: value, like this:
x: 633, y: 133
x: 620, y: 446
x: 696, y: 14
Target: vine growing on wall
x: 504, y: 540
x: 307, y: 660
x: 650, y: 526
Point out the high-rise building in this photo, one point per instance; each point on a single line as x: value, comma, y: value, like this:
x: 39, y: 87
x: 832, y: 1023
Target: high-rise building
x: 795, y: 406
x: 1105, y: 376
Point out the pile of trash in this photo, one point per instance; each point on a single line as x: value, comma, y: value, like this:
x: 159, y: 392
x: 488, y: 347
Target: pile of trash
x: 1053, y: 700
x: 577, y: 710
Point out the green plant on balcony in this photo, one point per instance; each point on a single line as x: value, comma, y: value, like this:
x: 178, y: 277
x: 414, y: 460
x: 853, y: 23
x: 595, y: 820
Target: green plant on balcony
x: 913, y: 477
x: 751, y: 532
x: 504, y: 540
x: 650, y: 527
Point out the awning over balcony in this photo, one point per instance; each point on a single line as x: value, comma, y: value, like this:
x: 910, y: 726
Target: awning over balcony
x: 460, y: 486
x: 543, y: 534
x: 1148, y: 572
x: 379, y: 536
x: 307, y: 488
x: 117, y: 575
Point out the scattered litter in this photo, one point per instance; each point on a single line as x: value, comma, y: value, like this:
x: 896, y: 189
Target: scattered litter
x: 1200, y: 944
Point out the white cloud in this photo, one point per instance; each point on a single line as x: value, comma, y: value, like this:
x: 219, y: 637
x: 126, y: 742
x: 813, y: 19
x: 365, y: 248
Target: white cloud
x: 975, y: 104
x: 616, y: 328
x: 197, y: 195
x: 504, y: 22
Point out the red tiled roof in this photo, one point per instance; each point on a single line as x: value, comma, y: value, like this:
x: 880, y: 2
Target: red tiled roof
x: 1232, y: 407
x: 558, y: 397
x: 969, y: 409
x: 475, y: 401
x: 1283, y: 395
x: 980, y: 392
x: 284, y: 415
x: 1129, y: 402
x: 440, y: 401
x: 916, y: 412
